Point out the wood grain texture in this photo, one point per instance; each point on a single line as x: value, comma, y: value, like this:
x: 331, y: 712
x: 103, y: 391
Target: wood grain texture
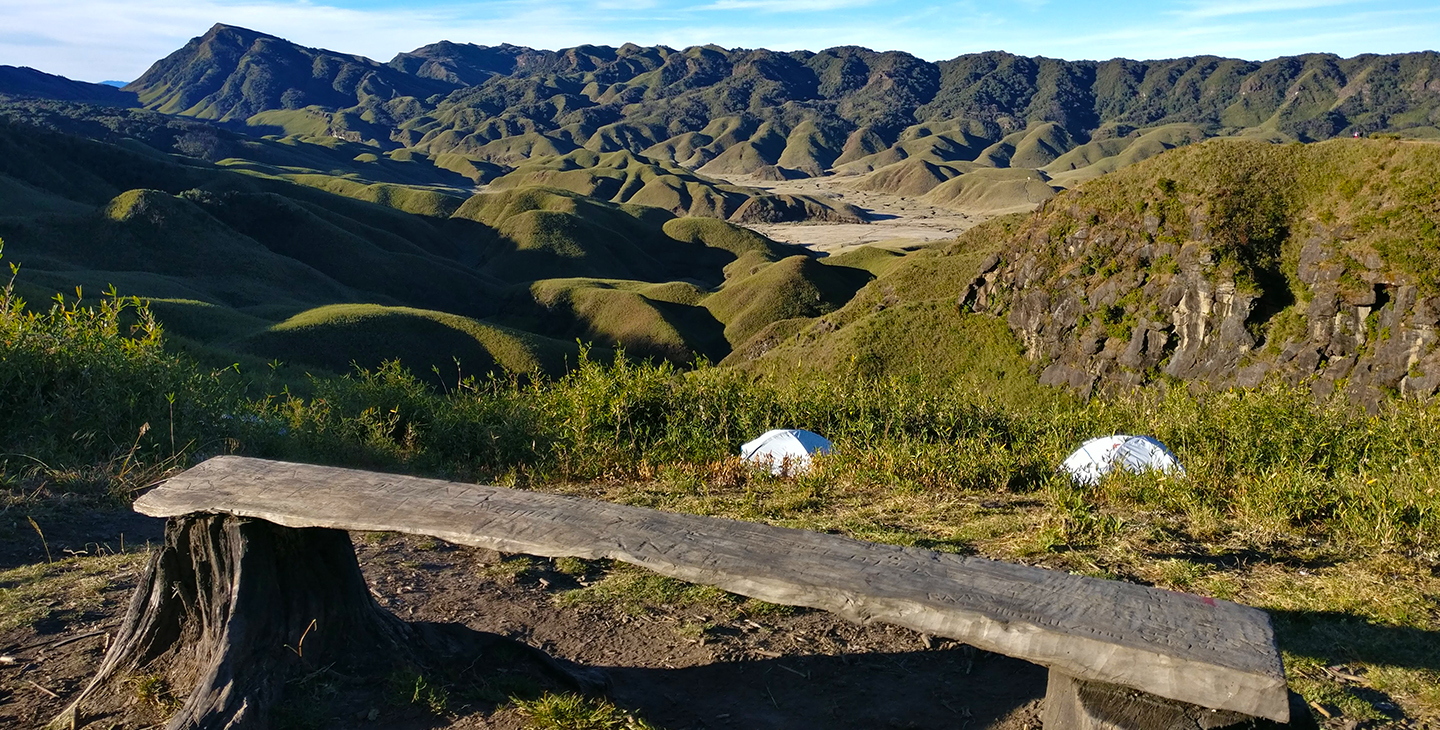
x: 1203, y: 651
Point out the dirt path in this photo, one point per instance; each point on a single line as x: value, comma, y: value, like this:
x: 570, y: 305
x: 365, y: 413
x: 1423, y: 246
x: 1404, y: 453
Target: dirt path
x: 714, y: 663
x: 896, y: 220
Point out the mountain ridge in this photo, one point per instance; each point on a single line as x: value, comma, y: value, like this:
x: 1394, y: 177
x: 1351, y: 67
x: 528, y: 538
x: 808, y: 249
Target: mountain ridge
x: 902, y: 124
x: 654, y: 94
x: 26, y: 81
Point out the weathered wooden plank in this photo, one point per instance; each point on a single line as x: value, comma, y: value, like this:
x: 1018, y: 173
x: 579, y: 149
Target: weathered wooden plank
x: 1203, y: 651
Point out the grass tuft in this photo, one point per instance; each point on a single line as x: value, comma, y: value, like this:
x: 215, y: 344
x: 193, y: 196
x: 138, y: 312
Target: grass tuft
x: 574, y: 712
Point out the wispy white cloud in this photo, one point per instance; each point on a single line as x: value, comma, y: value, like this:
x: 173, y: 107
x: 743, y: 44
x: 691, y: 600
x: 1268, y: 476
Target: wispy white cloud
x: 786, y: 6
x: 1202, y: 10
x: 8, y: 38
x: 1398, y: 30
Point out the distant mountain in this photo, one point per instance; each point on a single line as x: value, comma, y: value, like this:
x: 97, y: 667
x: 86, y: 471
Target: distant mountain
x: 233, y: 74
x: 27, y: 82
x: 814, y: 111
x: 114, y: 83
x: 462, y: 64
x: 905, y: 125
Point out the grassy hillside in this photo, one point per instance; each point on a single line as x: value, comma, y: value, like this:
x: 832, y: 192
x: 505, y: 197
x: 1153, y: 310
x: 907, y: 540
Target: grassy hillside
x: 1260, y: 197
x: 1230, y: 262
x: 993, y: 191
x: 623, y: 177
x: 552, y: 233
x: 646, y: 320
x: 905, y: 323
x: 449, y: 347
x: 792, y: 287
x: 322, y: 270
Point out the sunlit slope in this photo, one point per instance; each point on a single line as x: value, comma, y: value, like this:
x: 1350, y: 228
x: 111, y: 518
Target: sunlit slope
x: 549, y: 233
x: 646, y: 320
x: 339, y: 337
x: 623, y: 177
x: 904, y: 322
x: 797, y: 286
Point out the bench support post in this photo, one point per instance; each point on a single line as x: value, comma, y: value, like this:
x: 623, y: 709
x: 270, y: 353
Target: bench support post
x: 231, y: 610
x: 1077, y: 704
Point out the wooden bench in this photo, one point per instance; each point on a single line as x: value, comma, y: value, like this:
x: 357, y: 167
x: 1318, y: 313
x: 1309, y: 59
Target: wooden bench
x: 1120, y: 655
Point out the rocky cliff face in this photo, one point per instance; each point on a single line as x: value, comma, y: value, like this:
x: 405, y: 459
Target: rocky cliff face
x: 1109, y: 291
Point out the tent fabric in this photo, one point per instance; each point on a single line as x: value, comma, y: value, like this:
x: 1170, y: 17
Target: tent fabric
x: 785, y: 450
x: 1099, y: 456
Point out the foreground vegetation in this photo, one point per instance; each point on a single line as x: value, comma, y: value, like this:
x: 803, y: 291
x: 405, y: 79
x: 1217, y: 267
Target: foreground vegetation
x: 1324, y: 515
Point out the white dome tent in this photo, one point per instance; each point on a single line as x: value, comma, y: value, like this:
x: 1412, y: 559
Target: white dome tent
x: 785, y: 450
x: 1099, y: 456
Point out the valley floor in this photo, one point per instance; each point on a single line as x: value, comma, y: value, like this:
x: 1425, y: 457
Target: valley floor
x: 897, y: 221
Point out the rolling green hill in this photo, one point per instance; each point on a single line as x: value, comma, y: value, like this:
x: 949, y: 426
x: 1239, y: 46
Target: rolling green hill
x: 465, y: 114
x: 264, y: 267
x: 339, y: 336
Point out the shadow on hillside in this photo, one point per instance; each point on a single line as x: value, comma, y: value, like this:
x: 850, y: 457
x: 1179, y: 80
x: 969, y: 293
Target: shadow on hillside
x: 872, y: 216
x: 1334, y: 638
x: 949, y: 688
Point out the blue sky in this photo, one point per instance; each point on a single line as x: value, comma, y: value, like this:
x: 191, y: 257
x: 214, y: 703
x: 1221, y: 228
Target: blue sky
x: 95, y: 40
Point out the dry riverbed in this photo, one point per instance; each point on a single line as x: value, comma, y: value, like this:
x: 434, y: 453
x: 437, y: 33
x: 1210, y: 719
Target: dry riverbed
x: 896, y: 221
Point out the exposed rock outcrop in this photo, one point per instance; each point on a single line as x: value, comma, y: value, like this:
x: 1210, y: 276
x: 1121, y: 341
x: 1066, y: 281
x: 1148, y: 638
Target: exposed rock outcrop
x: 1102, y: 298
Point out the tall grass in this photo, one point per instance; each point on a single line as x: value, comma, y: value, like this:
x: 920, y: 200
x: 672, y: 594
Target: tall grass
x: 87, y: 383
x: 1270, y: 456
x: 79, y: 385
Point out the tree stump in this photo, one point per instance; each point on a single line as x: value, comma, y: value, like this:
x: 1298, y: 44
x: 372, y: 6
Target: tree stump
x: 237, y: 609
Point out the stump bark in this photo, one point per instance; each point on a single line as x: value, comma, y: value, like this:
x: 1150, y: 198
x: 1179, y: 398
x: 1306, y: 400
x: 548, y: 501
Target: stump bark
x: 230, y: 610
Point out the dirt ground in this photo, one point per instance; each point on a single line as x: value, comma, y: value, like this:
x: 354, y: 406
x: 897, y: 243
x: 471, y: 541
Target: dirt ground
x: 688, y: 665
x: 896, y: 220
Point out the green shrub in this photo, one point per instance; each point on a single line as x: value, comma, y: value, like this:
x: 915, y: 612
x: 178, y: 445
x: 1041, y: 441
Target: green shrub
x: 84, y: 383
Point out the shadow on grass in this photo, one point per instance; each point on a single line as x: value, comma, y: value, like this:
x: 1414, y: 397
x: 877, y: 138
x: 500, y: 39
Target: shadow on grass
x: 81, y: 532
x: 1338, y: 638
x: 1234, y: 559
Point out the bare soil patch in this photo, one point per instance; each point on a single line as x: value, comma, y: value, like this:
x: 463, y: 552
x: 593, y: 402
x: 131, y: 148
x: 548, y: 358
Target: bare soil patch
x: 706, y: 662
